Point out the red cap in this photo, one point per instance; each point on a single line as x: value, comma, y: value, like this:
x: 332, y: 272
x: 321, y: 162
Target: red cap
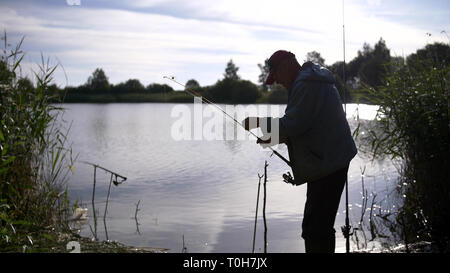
x: 274, y: 61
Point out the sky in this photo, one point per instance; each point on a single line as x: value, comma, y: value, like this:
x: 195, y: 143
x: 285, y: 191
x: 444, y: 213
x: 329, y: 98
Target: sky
x: 150, y: 39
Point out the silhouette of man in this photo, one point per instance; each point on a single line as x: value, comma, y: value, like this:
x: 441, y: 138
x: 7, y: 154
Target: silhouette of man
x: 320, y: 145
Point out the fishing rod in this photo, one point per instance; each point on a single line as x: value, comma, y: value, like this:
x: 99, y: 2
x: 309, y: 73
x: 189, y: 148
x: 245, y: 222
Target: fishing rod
x: 256, y: 213
x: 346, y: 228
x: 195, y: 94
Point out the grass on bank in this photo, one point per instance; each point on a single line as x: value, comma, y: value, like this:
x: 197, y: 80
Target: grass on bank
x: 36, y: 161
x: 35, y: 157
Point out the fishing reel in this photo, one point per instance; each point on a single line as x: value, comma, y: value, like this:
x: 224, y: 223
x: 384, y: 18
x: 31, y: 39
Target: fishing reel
x: 116, y: 182
x: 289, y: 179
x: 348, y: 231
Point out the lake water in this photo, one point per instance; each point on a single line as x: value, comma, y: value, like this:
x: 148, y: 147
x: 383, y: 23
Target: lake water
x: 202, y: 191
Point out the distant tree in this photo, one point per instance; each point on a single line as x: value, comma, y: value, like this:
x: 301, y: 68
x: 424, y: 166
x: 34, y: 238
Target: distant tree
x: 231, y: 71
x: 244, y: 92
x: 54, y: 91
x: 221, y: 91
x: 192, y: 84
x: 98, y: 81
x: 278, y: 94
x: 381, y: 51
x: 437, y: 55
x: 336, y: 68
x: 353, y: 67
x: 134, y: 86
x: 264, y: 73
x: 370, y: 65
x: 234, y: 91
x: 159, y: 88
x: 118, y: 88
x: 338, y: 72
x: 25, y: 84
x: 374, y: 71
x: 315, y: 57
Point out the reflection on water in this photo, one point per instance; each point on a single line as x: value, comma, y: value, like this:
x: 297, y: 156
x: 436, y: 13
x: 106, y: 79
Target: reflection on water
x: 198, y: 195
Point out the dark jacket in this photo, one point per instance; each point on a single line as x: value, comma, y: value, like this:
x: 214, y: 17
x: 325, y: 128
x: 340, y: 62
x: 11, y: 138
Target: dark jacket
x: 319, y: 137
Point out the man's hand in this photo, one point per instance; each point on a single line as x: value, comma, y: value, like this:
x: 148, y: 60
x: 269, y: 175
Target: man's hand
x: 250, y: 123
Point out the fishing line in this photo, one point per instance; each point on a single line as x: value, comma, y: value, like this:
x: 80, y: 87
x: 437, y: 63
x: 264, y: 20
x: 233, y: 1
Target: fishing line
x: 195, y: 94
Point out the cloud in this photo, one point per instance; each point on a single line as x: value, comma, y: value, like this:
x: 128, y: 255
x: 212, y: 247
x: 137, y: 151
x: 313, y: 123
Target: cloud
x: 73, y: 2
x: 194, y: 39
x: 374, y: 2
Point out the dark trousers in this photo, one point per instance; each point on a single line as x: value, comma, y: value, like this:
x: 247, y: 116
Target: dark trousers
x: 322, y: 202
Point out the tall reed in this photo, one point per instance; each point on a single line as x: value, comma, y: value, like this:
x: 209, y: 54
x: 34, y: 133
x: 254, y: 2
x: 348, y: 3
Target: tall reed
x: 413, y: 126
x: 36, y: 158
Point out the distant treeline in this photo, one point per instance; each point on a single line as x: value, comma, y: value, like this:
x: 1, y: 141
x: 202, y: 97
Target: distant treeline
x: 369, y: 69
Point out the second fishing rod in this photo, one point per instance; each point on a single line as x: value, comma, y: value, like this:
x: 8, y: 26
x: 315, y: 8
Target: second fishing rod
x: 195, y: 94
